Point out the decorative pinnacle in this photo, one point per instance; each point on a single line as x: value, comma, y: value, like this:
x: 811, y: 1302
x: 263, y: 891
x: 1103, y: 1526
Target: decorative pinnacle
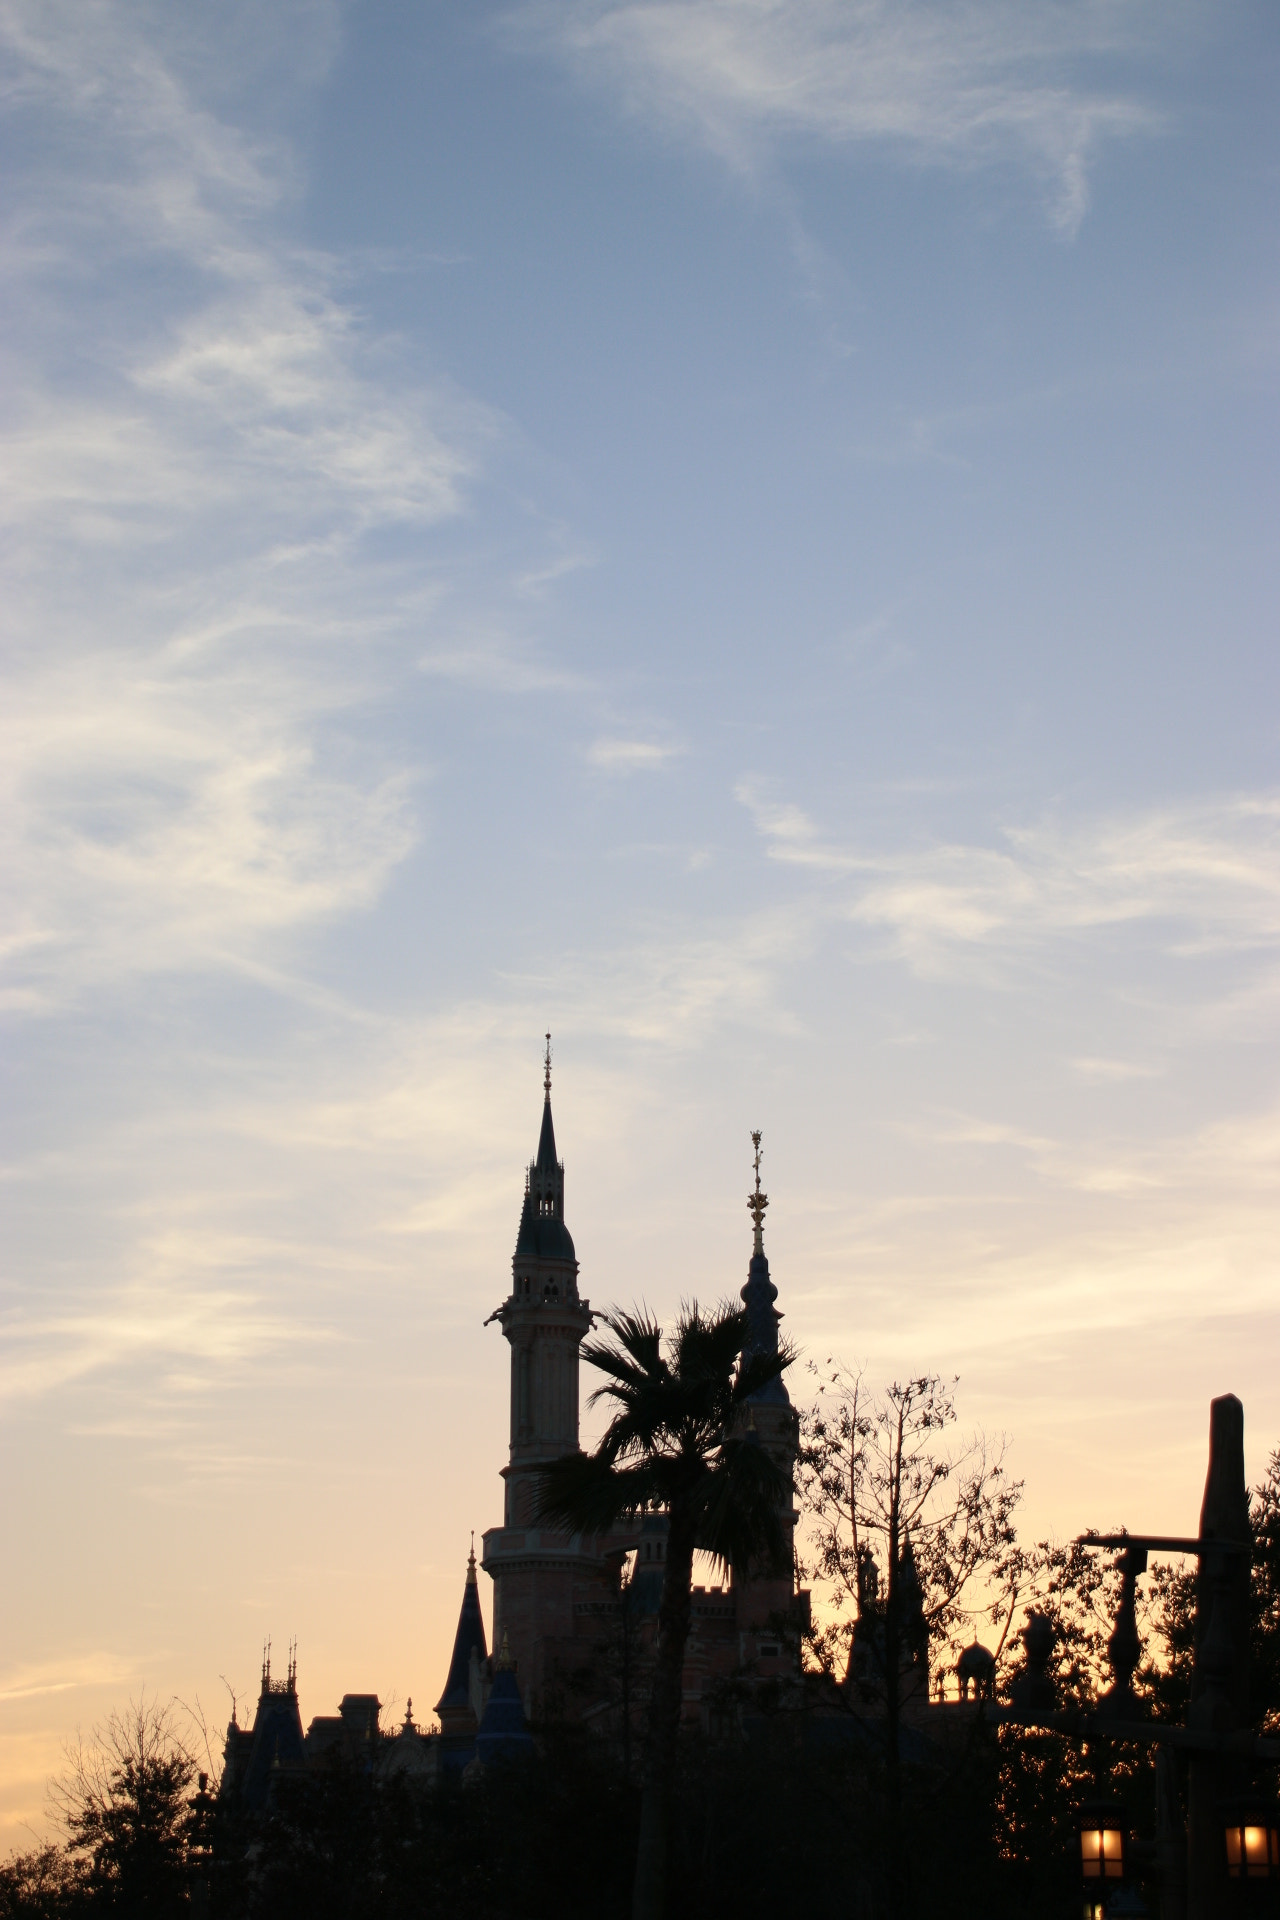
x: 504, y: 1663
x: 757, y: 1201
x: 547, y: 1064
x: 471, y: 1563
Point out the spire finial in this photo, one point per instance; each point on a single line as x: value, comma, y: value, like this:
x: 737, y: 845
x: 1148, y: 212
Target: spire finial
x: 757, y: 1201
x: 546, y: 1061
x: 504, y: 1663
x: 471, y: 1562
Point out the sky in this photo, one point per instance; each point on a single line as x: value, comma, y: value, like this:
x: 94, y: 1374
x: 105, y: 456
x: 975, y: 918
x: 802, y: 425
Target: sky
x: 741, y: 532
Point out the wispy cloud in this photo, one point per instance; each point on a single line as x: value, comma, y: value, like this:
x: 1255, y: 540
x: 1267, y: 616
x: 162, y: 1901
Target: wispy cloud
x: 196, y: 607
x: 958, y: 82
x: 29, y: 1681
x: 629, y: 756
x: 1208, y: 871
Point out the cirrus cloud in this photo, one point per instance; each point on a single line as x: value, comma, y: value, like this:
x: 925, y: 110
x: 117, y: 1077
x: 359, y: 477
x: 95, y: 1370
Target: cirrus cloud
x: 960, y: 83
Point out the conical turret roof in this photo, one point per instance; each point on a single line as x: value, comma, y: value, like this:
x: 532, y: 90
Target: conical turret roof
x: 468, y: 1639
x: 543, y: 1234
x: 546, y: 1160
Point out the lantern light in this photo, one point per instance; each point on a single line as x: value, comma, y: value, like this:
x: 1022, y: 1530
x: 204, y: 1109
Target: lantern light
x: 1253, y: 1841
x: 1103, y: 1828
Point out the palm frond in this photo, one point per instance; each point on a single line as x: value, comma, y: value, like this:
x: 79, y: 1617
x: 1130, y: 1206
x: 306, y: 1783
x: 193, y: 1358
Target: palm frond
x: 745, y: 1506
x: 588, y: 1494
x: 758, y: 1370
x: 705, y: 1346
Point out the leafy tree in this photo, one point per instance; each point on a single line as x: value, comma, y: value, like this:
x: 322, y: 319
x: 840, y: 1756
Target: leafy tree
x: 42, y: 1885
x: 677, y: 1443
x: 1043, y: 1777
x: 1264, y: 1675
x: 124, y: 1806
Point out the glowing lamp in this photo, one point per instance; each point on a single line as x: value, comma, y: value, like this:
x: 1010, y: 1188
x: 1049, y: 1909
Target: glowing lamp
x: 1253, y: 1842
x: 1102, y: 1836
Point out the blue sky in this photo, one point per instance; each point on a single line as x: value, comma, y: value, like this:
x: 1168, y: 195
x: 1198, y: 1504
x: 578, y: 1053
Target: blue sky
x: 742, y: 533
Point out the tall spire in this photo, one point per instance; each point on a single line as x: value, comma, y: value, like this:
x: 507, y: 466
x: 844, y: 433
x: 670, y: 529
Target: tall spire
x: 546, y: 1160
x: 760, y: 1293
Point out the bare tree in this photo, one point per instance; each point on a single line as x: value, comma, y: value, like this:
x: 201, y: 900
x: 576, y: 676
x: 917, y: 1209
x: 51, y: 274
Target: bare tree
x: 912, y: 1535
x: 911, y: 1539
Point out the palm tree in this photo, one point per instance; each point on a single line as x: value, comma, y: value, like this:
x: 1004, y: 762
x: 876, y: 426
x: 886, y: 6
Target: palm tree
x: 678, y: 1442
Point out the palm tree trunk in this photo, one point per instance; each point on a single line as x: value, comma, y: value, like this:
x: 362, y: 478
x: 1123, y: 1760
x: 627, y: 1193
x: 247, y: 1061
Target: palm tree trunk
x: 648, y: 1893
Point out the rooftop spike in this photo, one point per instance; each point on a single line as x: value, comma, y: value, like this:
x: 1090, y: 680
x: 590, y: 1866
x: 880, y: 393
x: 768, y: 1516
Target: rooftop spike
x: 757, y: 1201
x: 547, y: 1064
x: 760, y: 1293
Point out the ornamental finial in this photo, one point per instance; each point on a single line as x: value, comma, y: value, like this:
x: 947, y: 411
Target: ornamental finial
x: 546, y: 1061
x: 757, y: 1201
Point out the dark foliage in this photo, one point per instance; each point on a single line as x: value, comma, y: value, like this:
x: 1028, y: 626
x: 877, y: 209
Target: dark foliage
x: 682, y: 1439
x: 546, y: 1838
x: 790, y: 1820
x: 675, y: 1439
x: 46, y: 1884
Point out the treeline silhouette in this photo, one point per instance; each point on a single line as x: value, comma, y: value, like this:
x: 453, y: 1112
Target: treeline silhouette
x: 800, y: 1807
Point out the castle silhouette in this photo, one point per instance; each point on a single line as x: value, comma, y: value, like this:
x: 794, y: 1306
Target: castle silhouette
x: 574, y: 1615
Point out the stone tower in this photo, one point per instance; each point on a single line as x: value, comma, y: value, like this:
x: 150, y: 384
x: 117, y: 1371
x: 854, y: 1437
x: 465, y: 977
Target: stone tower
x: 538, y: 1572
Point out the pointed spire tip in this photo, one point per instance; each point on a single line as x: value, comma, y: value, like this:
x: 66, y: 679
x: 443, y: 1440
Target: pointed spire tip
x: 757, y: 1201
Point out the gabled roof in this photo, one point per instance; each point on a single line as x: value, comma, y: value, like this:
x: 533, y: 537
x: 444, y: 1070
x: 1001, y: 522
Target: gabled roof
x: 470, y: 1635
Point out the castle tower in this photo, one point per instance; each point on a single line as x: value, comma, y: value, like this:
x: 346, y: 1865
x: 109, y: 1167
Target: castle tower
x: 773, y: 1418
x: 537, y: 1571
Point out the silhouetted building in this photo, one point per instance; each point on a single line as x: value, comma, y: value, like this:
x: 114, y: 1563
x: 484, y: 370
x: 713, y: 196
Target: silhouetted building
x: 575, y: 1607
x: 574, y: 1616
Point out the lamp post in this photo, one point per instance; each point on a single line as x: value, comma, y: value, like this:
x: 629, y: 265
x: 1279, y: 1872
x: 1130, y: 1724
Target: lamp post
x: 1224, y: 1846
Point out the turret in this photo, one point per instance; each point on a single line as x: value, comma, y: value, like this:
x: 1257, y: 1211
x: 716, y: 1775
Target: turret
x: 544, y: 1321
x: 540, y: 1573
